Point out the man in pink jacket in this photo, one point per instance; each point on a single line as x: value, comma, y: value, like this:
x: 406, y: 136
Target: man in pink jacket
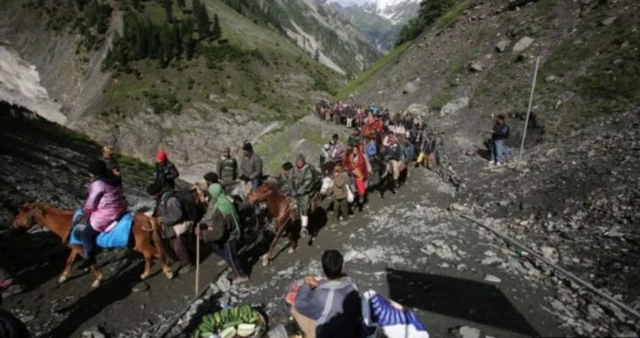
x: 106, y: 204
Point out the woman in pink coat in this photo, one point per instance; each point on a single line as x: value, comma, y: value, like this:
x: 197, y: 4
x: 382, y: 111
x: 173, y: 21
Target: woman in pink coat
x: 106, y: 204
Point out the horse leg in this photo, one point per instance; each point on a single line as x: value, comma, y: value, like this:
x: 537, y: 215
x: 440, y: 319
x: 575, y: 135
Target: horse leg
x: 67, y: 268
x: 97, y: 274
x: 166, y: 269
x: 267, y: 257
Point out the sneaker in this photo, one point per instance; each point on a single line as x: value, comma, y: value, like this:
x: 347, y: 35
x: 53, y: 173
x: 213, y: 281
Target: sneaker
x: 491, y: 163
x: 498, y: 164
x: 221, y: 263
x: 186, y: 269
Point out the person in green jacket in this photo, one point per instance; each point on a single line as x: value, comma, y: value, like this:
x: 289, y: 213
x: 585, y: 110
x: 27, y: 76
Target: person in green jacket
x: 223, y: 229
x: 303, y: 189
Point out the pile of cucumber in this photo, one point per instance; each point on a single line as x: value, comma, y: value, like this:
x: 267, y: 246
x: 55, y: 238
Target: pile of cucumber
x: 229, y: 323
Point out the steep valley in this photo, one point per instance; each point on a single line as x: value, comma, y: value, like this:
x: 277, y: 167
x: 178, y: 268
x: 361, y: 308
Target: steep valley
x: 574, y: 200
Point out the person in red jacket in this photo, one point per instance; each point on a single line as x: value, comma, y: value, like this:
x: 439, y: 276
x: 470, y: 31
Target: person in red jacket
x: 357, y: 165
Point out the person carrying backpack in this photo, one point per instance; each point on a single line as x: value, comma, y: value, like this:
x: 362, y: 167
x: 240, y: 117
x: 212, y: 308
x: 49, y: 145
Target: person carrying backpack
x: 176, y: 219
x: 222, y: 228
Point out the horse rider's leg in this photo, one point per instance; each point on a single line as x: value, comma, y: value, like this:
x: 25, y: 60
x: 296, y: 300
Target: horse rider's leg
x: 292, y: 242
x: 280, y: 230
x: 97, y: 274
x: 67, y: 268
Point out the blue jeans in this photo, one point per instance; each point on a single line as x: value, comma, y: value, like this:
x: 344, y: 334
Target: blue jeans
x: 228, y: 251
x: 499, y: 150
x: 89, y: 236
x: 255, y: 183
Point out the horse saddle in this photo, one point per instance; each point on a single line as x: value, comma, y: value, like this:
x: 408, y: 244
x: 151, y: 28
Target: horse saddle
x: 115, y: 236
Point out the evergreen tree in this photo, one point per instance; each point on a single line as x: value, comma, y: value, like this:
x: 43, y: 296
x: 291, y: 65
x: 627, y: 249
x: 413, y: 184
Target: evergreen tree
x: 182, y: 4
x: 168, y: 9
x: 135, y: 4
x: 177, y: 40
x: 166, y: 43
x: 202, y: 19
x: 216, y: 33
x: 188, y: 43
x: 153, y: 38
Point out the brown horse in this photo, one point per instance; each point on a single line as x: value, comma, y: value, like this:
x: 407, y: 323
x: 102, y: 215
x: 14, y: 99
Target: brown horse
x: 145, y: 230
x: 282, y: 212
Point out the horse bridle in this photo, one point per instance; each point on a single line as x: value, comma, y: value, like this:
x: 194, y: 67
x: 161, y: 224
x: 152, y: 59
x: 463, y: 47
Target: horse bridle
x: 29, y: 217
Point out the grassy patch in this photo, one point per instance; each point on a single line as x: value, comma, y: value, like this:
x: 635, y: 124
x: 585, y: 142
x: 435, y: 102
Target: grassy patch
x: 452, y: 15
x: 354, y: 85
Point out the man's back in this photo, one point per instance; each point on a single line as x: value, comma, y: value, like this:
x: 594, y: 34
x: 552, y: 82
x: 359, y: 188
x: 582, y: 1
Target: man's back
x: 334, y: 305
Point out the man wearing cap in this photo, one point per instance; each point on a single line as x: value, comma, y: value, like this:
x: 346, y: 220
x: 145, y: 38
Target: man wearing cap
x: 169, y: 214
x: 112, y: 164
x: 227, y: 168
x: 303, y: 188
x: 251, y: 169
x: 165, y: 172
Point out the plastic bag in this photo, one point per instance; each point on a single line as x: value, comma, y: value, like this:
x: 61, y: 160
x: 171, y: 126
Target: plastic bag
x: 394, y: 320
x: 350, y: 196
x: 420, y: 157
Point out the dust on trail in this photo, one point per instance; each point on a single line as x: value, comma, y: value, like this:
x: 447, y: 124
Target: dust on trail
x: 20, y: 85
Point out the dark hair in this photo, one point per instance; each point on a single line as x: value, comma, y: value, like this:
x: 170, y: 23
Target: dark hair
x: 501, y: 117
x: 247, y: 147
x: 287, y: 166
x: 154, y: 188
x: 335, y: 136
x: 98, y: 168
x: 211, y: 177
x: 332, y: 263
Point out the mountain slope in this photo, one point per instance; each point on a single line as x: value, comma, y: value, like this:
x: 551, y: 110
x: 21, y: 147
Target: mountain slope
x: 247, y: 81
x: 478, y: 60
x: 330, y: 39
x: 379, y: 20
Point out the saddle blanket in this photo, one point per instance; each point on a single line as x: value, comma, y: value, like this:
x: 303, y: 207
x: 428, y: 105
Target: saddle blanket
x: 116, y: 235
x: 395, y: 321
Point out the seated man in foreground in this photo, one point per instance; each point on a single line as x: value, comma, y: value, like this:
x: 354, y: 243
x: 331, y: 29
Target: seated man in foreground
x: 329, y: 308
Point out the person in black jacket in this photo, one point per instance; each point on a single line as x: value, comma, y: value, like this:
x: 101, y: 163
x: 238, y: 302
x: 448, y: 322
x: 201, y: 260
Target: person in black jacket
x: 10, y: 326
x: 165, y: 172
x: 170, y: 215
x: 499, y: 135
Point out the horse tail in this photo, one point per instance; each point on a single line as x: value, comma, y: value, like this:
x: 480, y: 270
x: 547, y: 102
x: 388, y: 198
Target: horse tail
x: 156, y: 237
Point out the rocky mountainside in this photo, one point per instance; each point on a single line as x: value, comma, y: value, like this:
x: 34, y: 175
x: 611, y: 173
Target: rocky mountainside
x: 379, y: 20
x: 330, y: 39
x: 140, y: 75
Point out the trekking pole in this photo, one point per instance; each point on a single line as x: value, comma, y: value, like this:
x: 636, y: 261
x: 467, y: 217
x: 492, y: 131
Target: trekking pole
x: 197, y: 263
x: 526, y: 122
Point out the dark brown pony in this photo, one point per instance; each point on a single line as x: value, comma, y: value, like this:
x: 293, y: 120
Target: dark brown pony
x: 282, y: 212
x: 145, y: 230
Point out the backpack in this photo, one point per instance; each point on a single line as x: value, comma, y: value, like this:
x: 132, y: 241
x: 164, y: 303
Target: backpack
x: 190, y: 210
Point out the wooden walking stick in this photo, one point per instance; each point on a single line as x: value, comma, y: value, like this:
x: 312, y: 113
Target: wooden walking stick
x: 197, y: 263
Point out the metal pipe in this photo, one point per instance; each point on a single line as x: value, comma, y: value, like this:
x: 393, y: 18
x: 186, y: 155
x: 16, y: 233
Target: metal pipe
x: 526, y: 122
x: 557, y: 267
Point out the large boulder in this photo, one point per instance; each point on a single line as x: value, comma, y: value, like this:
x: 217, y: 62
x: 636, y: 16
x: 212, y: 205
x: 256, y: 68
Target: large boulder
x: 454, y: 106
x: 522, y: 44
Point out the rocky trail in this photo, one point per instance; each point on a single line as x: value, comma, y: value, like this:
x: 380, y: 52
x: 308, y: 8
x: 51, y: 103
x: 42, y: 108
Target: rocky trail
x: 413, y: 246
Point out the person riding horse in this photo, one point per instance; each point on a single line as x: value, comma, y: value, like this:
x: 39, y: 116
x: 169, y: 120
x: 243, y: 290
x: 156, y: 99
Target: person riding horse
x: 227, y: 168
x: 105, y: 204
x: 285, y: 179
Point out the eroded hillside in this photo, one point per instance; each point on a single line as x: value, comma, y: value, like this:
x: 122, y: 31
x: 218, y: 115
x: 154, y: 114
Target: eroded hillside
x: 140, y: 75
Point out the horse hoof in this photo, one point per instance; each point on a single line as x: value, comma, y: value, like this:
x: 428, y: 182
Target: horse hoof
x: 95, y: 284
x: 144, y: 276
x: 169, y: 274
x: 62, y: 279
x: 265, y: 261
x: 291, y: 250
